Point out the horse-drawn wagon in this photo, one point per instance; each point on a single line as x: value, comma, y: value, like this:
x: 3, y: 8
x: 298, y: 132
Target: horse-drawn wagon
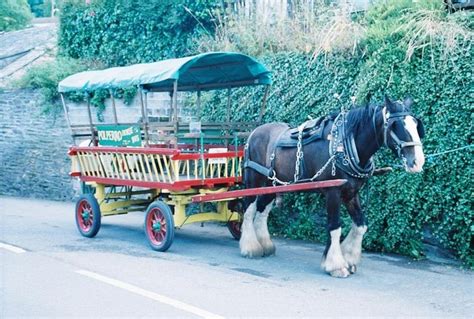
x: 180, y: 170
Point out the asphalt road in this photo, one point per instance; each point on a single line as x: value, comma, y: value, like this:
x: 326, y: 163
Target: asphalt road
x: 47, y: 269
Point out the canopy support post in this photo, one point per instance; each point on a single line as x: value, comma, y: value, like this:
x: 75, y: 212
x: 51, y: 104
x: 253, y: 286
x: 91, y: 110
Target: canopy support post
x: 264, y: 103
x: 175, y: 110
x: 113, y: 106
x: 147, y: 135
x: 66, y: 113
x: 228, y: 105
x: 227, y: 124
x: 198, y: 104
x: 89, y: 113
x: 143, y: 102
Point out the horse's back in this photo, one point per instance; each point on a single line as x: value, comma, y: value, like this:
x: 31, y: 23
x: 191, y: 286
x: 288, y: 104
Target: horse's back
x: 263, y: 138
x: 270, y: 128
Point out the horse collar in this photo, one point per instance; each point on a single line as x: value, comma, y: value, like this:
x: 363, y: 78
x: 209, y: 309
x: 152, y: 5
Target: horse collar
x: 344, y: 148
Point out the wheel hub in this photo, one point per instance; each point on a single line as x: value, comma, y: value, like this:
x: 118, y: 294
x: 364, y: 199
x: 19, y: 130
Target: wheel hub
x: 156, y: 226
x: 86, y: 215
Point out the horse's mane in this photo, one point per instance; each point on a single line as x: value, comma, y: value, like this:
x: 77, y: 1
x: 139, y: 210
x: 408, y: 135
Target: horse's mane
x: 359, y: 118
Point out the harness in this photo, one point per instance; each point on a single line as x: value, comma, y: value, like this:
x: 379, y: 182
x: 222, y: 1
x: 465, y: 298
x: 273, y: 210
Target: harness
x: 344, y: 149
x: 304, y: 134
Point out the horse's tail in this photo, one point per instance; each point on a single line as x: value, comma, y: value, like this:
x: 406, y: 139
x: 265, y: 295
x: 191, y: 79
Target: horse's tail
x: 244, y: 163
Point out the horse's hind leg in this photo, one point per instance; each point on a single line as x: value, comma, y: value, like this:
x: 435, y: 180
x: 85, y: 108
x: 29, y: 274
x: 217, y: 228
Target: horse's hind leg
x: 264, y: 205
x: 352, y: 244
x: 333, y: 262
x: 249, y: 244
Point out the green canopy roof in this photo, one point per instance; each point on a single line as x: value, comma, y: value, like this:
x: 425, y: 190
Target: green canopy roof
x: 205, y: 71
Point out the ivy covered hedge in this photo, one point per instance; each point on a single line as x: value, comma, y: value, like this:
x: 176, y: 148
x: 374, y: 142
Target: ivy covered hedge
x: 120, y: 32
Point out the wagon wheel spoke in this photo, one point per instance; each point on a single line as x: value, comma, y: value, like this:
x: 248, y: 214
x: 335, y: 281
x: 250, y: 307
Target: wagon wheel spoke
x: 158, y: 226
x: 158, y: 237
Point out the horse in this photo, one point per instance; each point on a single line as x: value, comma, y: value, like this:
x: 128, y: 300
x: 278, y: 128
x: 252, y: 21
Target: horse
x: 343, y: 149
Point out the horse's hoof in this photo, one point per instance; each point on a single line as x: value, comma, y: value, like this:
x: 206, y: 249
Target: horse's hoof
x: 254, y: 252
x: 268, y: 247
x: 340, y: 273
x: 269, y: 250
x: 352, y: 269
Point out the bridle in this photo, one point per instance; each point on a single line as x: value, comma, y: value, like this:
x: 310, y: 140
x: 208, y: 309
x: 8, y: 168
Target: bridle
x: 388, y: 121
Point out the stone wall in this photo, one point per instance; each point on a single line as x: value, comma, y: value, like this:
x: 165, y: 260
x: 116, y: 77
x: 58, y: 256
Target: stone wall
x: 33, y: 149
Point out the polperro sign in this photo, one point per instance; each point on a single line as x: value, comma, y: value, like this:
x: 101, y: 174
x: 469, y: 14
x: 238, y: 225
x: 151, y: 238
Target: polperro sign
x: 119, y: 135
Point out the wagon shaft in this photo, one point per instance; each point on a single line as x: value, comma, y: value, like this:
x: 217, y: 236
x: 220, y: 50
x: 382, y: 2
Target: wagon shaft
x: 268, y: 190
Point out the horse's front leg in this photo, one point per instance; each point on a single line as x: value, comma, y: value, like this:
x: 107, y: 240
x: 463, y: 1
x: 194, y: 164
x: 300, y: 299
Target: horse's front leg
x: 352, y: 244
x: 333, y: 261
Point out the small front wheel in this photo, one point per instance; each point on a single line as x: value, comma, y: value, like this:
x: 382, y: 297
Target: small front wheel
x: 88, y: 215
x: 159, y: 226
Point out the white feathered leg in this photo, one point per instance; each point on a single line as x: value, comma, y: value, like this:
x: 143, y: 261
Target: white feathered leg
x: 261, y: 230
x: 352, y: 246
x: 334, y: 262
x: 249, y: 245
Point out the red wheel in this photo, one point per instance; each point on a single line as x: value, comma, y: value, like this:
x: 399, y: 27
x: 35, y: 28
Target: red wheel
x: 235, y: 228
x: 87, y: 215
x: 159, y: 226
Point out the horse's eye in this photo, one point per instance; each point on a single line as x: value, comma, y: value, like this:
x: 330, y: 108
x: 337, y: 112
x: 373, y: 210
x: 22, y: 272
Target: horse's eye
x: 396, y: 125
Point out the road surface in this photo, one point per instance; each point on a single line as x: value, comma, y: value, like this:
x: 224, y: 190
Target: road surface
x: 47, y: 269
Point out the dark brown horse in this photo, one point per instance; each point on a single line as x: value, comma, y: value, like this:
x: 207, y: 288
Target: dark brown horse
x: 334, y: 147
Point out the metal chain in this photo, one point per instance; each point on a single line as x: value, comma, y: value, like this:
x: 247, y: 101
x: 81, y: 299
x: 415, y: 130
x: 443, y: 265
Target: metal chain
x: 276, y: 181
x: 299, y: 154
x: 333, y: 172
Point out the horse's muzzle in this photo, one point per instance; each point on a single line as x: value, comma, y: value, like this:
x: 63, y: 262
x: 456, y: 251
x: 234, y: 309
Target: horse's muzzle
x: 415, y: 162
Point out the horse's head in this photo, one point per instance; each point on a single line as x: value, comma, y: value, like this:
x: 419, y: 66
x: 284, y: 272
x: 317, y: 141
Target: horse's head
x: 403, y: 133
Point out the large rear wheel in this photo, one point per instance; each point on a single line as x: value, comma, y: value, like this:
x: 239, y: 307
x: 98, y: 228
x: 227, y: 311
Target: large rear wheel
x: 234, y: 226
x: 88, y: 215
x: 159, y: 226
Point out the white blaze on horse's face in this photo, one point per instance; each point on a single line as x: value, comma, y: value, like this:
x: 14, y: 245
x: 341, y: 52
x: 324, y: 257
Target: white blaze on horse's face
x: 419, y: 160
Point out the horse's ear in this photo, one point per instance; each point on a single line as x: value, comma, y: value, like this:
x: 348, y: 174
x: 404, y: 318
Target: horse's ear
x: 408, y: 102
x: 420, y: 128
x: 388, y: 103
x: 368, y: 97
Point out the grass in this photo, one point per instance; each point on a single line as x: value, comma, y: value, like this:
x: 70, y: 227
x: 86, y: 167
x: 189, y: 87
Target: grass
x: 321, y: 29
x: 429, y: 28
x: 316, y: 29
